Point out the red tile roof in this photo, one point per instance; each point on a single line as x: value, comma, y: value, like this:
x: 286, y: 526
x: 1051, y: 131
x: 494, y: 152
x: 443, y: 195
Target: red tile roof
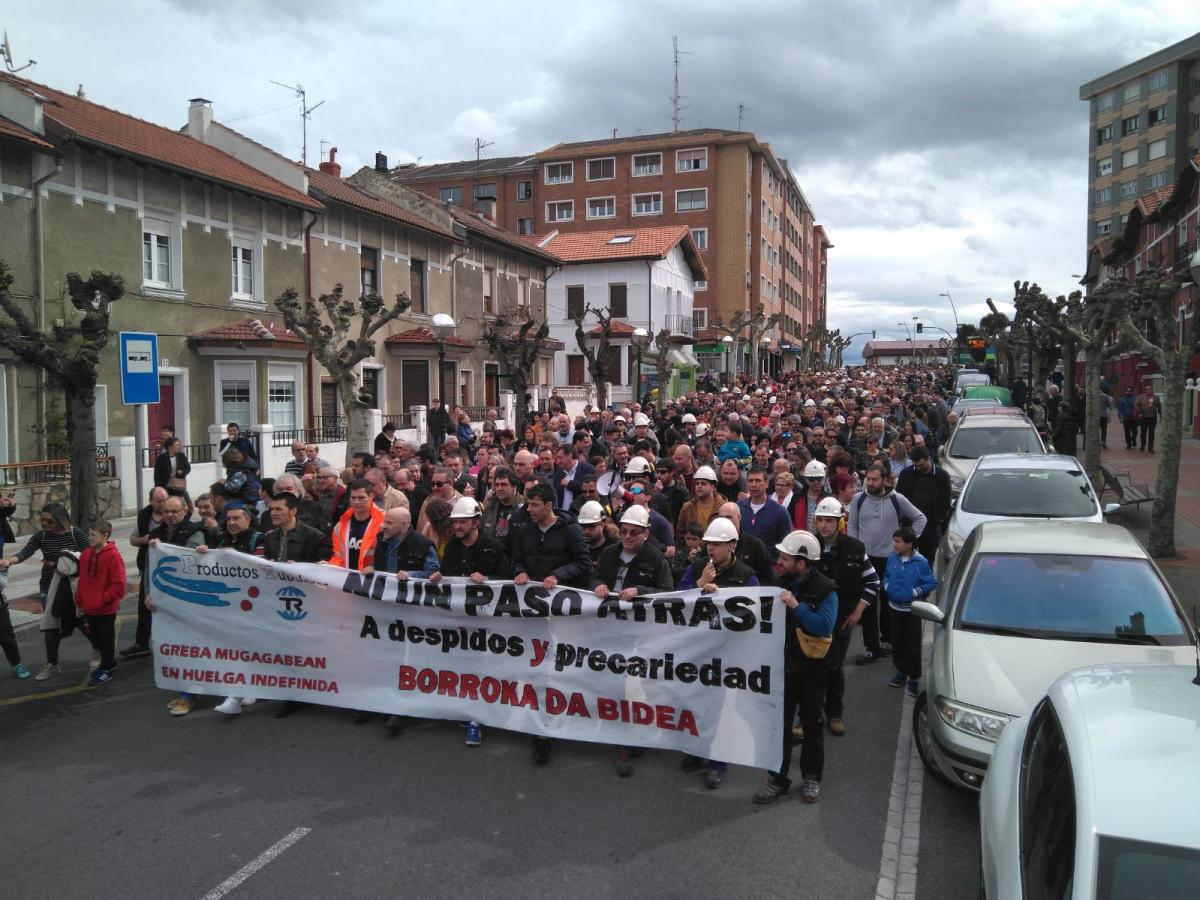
x: 13, y: 131
x: 693, y: 137
x: 475, y: 222
x: 340, y: 191
x: 1152, y: 201
x: 422, y: 335
x: 90, y: 123
x: 648, y: 243
x: 245, y: 331
x: 617, y: 327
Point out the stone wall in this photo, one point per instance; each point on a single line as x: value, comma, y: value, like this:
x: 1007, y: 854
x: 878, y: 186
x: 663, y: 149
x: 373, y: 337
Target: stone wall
x: 31, y: 498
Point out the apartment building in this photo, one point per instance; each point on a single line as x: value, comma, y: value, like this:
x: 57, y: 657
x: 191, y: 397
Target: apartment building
x: 748, y: 217
x: 509, y: 181
x: 1145, y: 125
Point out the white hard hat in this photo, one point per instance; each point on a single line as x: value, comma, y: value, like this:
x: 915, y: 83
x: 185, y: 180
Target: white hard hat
x: 618, y: 418
x: 636, y: 515
x: 464, y: 508
x: 828, y: 401
x: 841, y: 420
x: 641, y: 419
x: 771, y: 399
x: 689, y: 419
x: 724, y: 390
x: 733, y: 417
x: 702, y: 429
x: 814, y: 469
x: 591, y: 513
x: 745, y: 398
x: 803, y: 544
x: 720, y: 531
x: 810, y: 402
x: 758, y: 392
x: 637, y: 466
x: 830, y: 507
x: 705, y: 473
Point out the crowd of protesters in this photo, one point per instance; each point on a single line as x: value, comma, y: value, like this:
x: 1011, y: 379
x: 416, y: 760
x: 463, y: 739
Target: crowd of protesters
x: 822, y: 483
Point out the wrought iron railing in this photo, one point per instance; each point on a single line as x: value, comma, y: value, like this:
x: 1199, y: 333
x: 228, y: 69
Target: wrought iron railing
x: 679, y: 324
x: 325, y: 430
x: 49, y: 471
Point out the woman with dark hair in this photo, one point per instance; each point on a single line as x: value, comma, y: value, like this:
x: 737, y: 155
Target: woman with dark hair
x: 57, y: 536
x: 438, y: 527
x: 171, y: 467
x: 528, y: 441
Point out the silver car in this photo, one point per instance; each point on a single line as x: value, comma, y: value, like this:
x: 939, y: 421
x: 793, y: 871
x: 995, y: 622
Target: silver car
x: 982, y: 435
x: 1023, y: 603
x: 1021, y: 486
x: 1095, y: 794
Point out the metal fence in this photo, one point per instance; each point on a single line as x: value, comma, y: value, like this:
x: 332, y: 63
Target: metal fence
x: 400, y: 419
x: 325, y: 430
x: 48, y: 471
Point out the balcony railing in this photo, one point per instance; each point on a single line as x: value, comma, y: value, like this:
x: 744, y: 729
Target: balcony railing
x: 679, y: 324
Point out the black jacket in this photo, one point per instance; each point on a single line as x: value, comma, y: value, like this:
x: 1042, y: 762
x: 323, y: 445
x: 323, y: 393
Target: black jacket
x: 812, y: 590
x: 752, y: 553
x: 937, y: 512
x: 648, y: 571
x: 410, y: 555
x: 6, y: 531
x: 594, y: 553
x: 163, y: 471
x: 560, y: 551
x: 303, y: 544
x: 181, y: 536
x: 487, y: 556
x: 248, y: 542
x: 847, y: 564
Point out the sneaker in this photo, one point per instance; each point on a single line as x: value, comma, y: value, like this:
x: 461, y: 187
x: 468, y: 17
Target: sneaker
x: 541, y: 751
x: 474, y: 734
x: 713, y: 779
x: 46, y: 671
x: 98, y: 677
x: 810, y: 790
x: 869, y: 657
x: 624, y: 764
x: 837, y: 727
x: 897, y: 680
x: 691, y: 763
x: 135, y: 651
x: 798, y: 732
x: 913, y: 688
x: 173, y: 702
x: 247, y: 701
x: 769, y: 793
x: 20, y: 671
x: 182, y: 707
x: 94, y: 662
x: 230, y: 706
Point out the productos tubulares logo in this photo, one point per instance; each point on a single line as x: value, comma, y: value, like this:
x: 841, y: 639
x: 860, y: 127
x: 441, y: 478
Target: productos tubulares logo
x: 292, y: 599
x: 201, y: 591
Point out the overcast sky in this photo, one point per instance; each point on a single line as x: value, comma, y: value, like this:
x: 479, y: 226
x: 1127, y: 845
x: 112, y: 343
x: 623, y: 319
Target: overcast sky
x: 942, y: 144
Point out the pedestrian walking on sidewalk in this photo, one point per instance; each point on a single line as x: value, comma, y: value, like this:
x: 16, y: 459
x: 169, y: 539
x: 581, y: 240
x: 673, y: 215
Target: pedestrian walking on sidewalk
x: 98, y: 594
x: 1149, y: 408
x: 1127, y: 413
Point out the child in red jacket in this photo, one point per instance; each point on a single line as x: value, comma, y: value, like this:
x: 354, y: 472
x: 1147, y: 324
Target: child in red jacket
x: 98, y: 594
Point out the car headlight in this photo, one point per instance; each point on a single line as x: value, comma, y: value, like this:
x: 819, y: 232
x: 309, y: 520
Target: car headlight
x: 982, y: 723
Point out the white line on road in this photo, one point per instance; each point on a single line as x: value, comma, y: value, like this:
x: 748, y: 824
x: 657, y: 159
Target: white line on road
x: 255, y: 864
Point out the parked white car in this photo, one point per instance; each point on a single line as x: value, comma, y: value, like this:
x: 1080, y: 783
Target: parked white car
x: 1096, y: 793
x: 1023, y: 603
x: 1021, y: 486
x: 982, y: 435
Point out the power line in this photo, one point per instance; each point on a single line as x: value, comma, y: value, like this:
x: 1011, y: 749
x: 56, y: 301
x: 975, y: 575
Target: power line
x: 341, y: 137
x: 305, y: 115
x: 257, y: 114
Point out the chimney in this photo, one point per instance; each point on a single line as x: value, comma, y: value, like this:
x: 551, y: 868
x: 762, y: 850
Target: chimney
x: 200, y: 116
x: 331, y: 166
x: 486, y: 207
x: 381, y: 165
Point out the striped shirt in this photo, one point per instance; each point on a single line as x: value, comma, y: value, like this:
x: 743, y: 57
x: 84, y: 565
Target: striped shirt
x: 52, y: 546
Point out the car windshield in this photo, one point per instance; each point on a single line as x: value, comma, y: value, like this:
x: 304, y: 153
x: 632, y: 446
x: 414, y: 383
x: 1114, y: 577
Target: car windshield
x: 1029, y: 493
x: 972, y: 443
x: 1126, y: 868
x: 1061, y: 597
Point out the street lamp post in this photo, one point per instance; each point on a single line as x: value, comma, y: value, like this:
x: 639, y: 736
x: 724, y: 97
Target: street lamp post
x: 443, y: 327
x: 946, y: 294
x: 728, y: 342
x: 766, y: 347
x: 641, y: 339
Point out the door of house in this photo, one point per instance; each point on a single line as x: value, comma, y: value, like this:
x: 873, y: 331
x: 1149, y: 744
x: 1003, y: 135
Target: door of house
x: 491, y: 384
x: 329, y: 400
x: 415, y: 383
x: 466, y: 376
x: 160, y: 414
x: 575, y: 369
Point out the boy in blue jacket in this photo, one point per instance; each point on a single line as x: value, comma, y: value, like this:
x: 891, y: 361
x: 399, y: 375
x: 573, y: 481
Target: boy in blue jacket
x: 906, y: 578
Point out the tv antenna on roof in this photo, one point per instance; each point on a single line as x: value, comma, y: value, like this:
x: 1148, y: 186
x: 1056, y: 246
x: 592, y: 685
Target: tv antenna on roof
x: 742, y: 107
x: 6, y: 52
x: 305, y: 115
x: 676, y: 109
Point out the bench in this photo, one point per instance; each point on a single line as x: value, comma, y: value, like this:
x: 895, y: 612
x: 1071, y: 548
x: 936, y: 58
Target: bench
x: 1128, y: 493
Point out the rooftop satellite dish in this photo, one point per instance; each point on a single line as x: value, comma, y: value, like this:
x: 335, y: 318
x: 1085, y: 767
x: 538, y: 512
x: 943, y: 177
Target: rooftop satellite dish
x: 6, y: 52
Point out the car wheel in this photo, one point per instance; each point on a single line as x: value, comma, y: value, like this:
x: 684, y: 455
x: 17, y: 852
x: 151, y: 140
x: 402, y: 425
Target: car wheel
x: 923, y: 737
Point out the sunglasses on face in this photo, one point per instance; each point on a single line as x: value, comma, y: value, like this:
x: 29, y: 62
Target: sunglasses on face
x: 813, y: 478
x: 630, y: 532
x: 637, y: 489
x: 440, y: 483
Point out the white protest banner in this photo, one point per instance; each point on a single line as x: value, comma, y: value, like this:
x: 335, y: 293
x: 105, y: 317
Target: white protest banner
x: 702, y: 673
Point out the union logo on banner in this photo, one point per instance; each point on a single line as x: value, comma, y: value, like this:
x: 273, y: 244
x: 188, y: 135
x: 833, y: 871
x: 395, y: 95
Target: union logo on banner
x: 201, y: 591
x: 292, y: 599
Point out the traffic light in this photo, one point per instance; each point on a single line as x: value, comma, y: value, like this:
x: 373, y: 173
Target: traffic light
x: 920, y: 328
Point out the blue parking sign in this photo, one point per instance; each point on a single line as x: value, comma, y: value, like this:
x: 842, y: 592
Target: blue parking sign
x: 139, y: 367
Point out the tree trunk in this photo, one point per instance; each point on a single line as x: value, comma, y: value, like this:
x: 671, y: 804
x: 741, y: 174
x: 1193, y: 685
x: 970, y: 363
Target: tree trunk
x: 601, y: 383
x: 358, y: 418
x: 81, y: 441
x: 1170, y: 435
x: 1091, y: 395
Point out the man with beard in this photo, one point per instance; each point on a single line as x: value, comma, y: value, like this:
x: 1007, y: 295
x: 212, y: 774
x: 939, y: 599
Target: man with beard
x: 594, y: 524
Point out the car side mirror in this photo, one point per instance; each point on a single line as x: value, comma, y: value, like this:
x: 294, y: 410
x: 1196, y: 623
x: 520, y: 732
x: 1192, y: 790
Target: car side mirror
x: 930, y: 612
x: 1111, y: 509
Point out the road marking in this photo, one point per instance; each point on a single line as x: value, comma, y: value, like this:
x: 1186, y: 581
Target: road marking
x: 255, y: 864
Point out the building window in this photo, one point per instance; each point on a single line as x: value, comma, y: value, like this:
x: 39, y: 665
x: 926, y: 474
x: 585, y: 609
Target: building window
x: 1133, y: 90
x: 695, y: 160
x: 368, y: 269
x: 1157, y: 149
x: 522, y: 298
x: 574, y: 301
x: 236, y: 393
x: 1103, y: 228
x: 156, y: 259
x: 602, y: 169
x: 525, y: 226
x: 484, y: 192
x: 699, y: 319
x: 281, y: 404
x: 1105, y: 103
x: 1129, y: 158
x: 691, y: 200
x: 575, y: 369
x: 244, y: 282
x: 618, y: 301
x: 1104, y: 135
x: 416, y: 285
x: 489, y: 291
x: 601, y: 207
x: 560, y: 173
x: 1159, y: 80
x: 647, y: 164
x: 700, y: 237
x: 1104, y: 196
x: 647, y: 204
x: 450, y: 195
x: 524, y: 190
x: 1130, y: 124
x: 1104, y: 166
x: 1156, y: 181
x: 1129, y: 189
x: 560, y: 211
x: 700, y: 285
x: 1157, y: 116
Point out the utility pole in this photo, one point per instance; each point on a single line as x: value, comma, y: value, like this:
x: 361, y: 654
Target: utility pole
x: 305, y: 115
x: 741, y: 113
x: 676, y: 109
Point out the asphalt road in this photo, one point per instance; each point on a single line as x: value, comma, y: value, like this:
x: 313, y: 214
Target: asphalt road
x: 105, y: 794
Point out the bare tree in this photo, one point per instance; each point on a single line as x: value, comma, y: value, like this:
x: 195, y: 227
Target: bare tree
x: 596, y: 357
x: 518, y: 351
x: 70, y: 356
x: 1150, y: 322
x: 340, y: 334
x: 753, y: 326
